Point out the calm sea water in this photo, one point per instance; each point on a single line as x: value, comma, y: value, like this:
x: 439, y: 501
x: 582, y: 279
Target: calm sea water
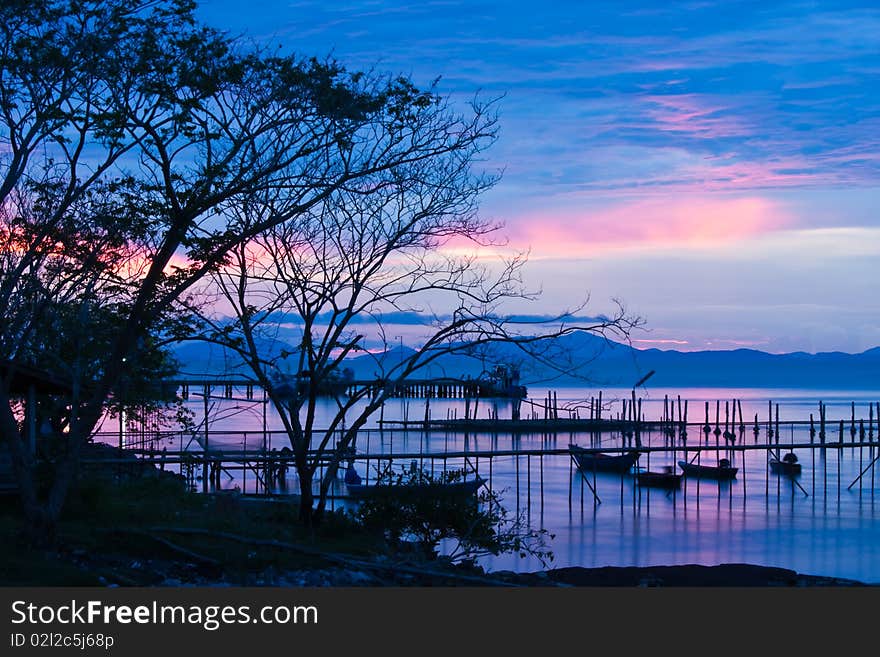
x: 813, y: 524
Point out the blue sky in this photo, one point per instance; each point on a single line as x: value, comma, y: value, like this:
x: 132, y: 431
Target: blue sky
x: 716, y: 165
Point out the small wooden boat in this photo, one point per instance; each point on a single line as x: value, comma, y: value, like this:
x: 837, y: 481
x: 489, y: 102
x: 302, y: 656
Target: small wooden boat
x: 721, y: 472
x: 787, y: 466
x: 352, y: 478
x: 666, y: 478
x: 589, y: 461
x: 428, y: 489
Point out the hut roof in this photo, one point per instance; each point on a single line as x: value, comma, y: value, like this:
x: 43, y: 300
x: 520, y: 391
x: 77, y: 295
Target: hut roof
x: 20, y: 377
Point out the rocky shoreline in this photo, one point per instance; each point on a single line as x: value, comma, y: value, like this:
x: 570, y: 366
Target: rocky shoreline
x: 690, y: 575
x: 382, y: 572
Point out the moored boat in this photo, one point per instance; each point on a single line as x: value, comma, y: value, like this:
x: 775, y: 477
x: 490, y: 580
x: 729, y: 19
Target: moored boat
x: 665, y: 478
x: 721, y: 472
x: 428, y: 489
x: 787, y: 466
x: 590, y: 461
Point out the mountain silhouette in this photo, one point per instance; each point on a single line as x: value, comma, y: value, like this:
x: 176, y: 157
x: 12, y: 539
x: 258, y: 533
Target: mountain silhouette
x: 587, y: 359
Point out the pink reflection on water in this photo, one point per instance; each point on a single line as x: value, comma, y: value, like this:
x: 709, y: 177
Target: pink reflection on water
x: 818, y: 525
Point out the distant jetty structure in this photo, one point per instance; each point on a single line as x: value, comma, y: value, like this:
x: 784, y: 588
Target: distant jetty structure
x: 501, y: 382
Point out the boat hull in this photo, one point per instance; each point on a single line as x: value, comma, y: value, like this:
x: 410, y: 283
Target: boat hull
x: 598, y: 462
x: 785, y: 468
x: 665, y: 480
x: 716, y: 472
x: 455, y: 489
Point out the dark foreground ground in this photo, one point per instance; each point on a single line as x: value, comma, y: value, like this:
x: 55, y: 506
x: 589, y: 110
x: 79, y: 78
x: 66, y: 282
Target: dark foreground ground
x: 116, y: 568
x: 147, y: 531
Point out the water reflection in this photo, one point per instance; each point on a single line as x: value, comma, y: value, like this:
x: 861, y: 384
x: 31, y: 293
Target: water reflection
x: 813, y: 524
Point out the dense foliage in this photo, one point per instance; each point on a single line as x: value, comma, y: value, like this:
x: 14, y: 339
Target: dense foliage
x: 410, y: 508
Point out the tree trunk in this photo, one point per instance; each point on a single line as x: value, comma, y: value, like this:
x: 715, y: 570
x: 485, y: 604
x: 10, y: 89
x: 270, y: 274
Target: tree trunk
x: 40, y: 527
x: 40, y: 519
x: 325, y: 484
x: 41, y: 516
x: 41, y: 513
x: 306, y: 499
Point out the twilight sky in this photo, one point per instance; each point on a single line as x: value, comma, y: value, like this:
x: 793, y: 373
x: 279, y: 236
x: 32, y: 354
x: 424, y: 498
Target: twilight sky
x: 716, y: 165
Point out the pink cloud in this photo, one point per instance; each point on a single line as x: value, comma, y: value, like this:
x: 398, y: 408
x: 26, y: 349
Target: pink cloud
x: 723, y: 172
x: 756, y: 175
x: 716, y: 342
x: 663, y: 341
x: 696, y: 115
x: 687, y: 221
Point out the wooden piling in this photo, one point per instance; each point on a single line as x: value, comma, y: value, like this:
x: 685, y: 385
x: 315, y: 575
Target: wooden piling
x: 206, y: 393
x: 706, y: 428
x: 639, y: 425
x: 852, y: 425
x: 861, y: 449
x: 683, y: 433
x: 777, y: 428
x: 726, y: 433
x: 665, y: 420
x: 529, y: 483
x: 839, y: 455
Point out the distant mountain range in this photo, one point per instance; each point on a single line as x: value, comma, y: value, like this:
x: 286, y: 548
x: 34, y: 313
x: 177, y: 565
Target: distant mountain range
x: 581, y: 359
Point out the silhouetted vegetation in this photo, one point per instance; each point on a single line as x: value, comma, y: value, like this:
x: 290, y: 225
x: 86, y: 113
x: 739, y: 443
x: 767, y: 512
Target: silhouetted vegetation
x: 143, y: 153
x: 413, y: 513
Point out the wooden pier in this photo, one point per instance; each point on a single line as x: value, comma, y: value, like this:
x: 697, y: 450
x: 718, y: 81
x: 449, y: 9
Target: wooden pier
x: 431, y: 388
x: 211, y: 460
x: 268, y: 469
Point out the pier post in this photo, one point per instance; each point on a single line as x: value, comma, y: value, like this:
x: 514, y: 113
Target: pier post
x: 726, y: 433
x: 684, y: 433
x: 777, y: 428
x: 570, y: 479
x: 839, y: 456
x: 206, y: 393
x: 639, y: 425
x: 852, y: 425
x: 861, y: 449
x: 706, y: 428
x: 529, y: 483
x: 541, y: 465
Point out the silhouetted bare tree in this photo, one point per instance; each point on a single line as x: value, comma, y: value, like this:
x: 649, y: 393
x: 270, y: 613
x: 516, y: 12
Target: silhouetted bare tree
x: 129, y: 131
x: 389, y: 243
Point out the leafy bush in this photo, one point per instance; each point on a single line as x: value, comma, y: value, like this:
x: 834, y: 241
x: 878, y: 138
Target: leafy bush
x: 422, y: 511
